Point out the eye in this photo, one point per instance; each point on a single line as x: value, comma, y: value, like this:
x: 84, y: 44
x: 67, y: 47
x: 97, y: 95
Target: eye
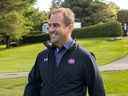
x: 49, y: 25
x: 55, y: 25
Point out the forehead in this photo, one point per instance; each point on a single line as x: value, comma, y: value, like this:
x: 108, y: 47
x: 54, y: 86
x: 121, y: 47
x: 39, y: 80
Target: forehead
x: 56, y: 18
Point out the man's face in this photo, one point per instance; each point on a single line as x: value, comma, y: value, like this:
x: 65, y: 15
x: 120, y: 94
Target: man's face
x: 57, y: 30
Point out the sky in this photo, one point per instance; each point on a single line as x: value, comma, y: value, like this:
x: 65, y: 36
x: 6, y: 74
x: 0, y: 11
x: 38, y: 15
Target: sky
x: 45, y: 4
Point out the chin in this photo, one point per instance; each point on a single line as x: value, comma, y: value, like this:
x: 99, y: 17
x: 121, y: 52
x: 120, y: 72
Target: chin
x: 53, y: 41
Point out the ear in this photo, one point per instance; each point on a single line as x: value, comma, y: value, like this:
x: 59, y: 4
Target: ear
x: 70, y: 27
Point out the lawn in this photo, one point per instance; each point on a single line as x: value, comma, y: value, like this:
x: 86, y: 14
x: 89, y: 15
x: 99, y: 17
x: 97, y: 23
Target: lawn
x: 106, y: 49
x: 116, y: 84
x: 22, y: 58
x: 12, y: 87
x: 19, y: 58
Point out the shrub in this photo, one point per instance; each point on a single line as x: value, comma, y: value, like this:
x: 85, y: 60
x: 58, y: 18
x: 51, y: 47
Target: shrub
x: 110, y: 29
x: 42, y: 37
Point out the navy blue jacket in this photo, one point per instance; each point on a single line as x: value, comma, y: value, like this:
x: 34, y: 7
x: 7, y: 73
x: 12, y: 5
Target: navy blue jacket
x: 76, y: 73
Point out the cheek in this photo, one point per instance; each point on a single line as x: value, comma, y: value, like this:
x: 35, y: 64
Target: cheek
x: 65, y: 32
x: 61, y: 31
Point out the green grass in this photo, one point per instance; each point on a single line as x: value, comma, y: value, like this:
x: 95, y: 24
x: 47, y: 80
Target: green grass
x: 12, y: 87
x: 2, y: 47
x: 22, y: 58
x: 116, y: 84
x: 105, y: 49
x: 19, y: 58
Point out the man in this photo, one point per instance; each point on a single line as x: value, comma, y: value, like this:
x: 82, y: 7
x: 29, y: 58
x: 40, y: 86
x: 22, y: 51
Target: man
x: 65, y: 69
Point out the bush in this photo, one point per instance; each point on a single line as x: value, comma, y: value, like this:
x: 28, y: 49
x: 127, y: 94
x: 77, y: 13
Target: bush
x: 42, y: 37
x: 110, y: 29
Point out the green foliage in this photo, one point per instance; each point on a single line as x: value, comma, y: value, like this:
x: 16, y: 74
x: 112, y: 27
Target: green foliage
x: 17, y: 5
x: 79, y: 7
x: 12, y: 24
x: 102, y: 12
x: 110, y: 29
x: 17, y: 18
x: 35, y: 37
x: 12, y: 21
x: 91, y: 12
x: 123, y: 16
x: 35, y: 18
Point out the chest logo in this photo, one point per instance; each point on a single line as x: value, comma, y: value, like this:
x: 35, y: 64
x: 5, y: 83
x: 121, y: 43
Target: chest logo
x: 45, y: 59
x: 71, y: 61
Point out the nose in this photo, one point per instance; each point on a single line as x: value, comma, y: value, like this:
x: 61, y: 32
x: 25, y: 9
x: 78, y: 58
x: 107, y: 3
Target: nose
x: 51, y: 29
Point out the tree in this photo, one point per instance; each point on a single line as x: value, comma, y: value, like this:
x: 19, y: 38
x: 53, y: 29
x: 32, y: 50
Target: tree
x: 123, y: 16
x: 92, y: 11
x: 36, y: 18
x: 17, y: 5
x: 12, y: 20
x: 12, y: 26
x: 102, y: 12
x: 80, y: 8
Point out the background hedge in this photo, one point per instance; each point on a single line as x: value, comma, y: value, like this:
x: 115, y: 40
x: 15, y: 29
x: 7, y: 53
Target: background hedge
x: 110, y: 29
x: 35, y: 38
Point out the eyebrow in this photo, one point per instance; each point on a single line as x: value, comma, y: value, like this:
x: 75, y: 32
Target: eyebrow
x: 54, y: 23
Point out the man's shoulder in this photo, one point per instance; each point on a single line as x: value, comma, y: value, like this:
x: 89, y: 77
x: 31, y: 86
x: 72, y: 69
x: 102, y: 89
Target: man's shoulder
x: 43, y: 53
x: 85, y: 52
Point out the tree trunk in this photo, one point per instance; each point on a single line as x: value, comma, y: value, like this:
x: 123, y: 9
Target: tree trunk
x: 7, y: 41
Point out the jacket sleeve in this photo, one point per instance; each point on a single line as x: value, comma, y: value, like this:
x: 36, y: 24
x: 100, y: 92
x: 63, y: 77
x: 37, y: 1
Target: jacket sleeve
x: 92, y: 77
x: 34, y: 80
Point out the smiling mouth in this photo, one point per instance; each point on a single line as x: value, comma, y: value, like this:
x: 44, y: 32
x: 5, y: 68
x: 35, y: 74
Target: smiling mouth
x: 53, y: 35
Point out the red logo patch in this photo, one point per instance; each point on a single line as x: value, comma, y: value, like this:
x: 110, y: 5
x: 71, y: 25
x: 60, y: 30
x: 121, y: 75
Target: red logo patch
x: 71, y: 61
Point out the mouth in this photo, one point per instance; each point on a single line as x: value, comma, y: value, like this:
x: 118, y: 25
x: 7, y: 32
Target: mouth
x: 53, y: 37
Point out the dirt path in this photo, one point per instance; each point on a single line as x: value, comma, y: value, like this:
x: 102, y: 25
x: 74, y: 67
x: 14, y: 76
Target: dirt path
x: 121, y: 64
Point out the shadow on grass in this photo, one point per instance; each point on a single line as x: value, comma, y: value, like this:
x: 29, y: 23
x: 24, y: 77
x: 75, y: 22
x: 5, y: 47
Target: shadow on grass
x: 3, y: 47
